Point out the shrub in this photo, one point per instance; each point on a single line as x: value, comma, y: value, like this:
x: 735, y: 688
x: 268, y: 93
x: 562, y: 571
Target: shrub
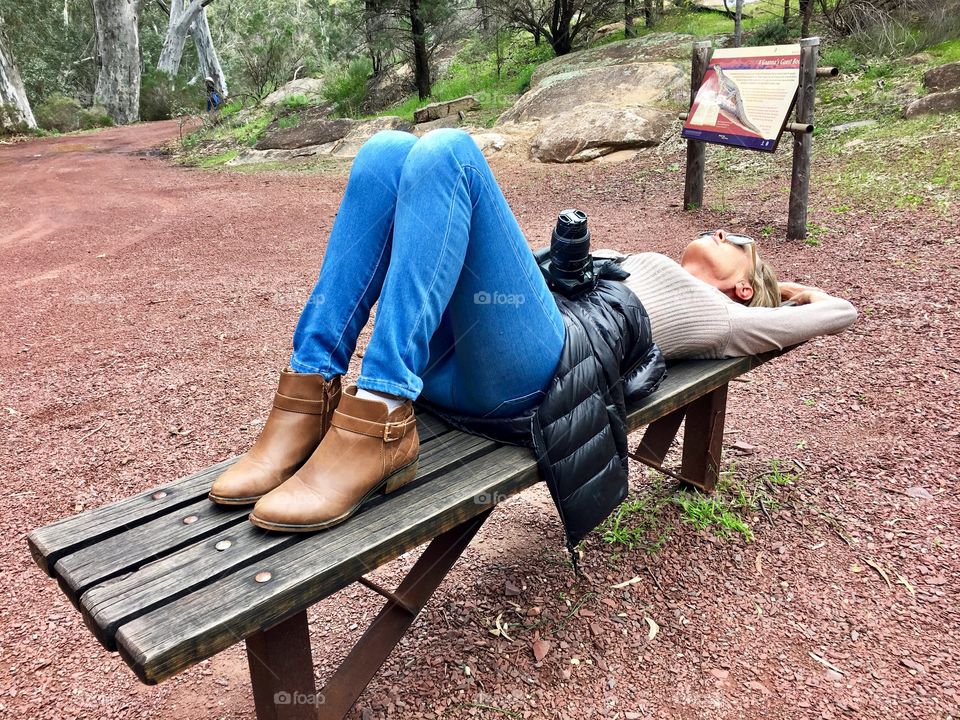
x: 163, y: 97
x: 295, y: 102
x: 840, y: 57
x: 94, y: 117
x: 772, y: 32
x: 58, y: 112
x: 346, y: 88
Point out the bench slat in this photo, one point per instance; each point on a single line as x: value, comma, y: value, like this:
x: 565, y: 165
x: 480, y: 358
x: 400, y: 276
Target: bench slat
x: 51, y: 542
x: 214, y: 617
x: 108, y: 604
x: 126, y: 551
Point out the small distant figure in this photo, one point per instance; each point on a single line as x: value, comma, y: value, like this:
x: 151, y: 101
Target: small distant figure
x: 214, y: 100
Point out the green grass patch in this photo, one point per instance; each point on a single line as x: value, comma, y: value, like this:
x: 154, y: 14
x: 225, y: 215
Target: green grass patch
x: 212, y: 161
x: 474, y: 72
x: 946, y: 52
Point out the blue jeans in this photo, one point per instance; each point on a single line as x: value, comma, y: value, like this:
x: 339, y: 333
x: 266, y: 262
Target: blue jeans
x: 464, y: 318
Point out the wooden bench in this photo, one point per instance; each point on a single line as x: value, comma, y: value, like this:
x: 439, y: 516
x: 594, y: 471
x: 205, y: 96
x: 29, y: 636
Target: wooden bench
x: 168, y: 579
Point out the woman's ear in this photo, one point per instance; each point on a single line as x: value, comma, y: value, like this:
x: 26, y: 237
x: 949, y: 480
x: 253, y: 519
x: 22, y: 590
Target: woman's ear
x: 743, y: 291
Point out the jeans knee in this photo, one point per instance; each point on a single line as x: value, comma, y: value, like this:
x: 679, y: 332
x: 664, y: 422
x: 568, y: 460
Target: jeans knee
x: 384, y: 151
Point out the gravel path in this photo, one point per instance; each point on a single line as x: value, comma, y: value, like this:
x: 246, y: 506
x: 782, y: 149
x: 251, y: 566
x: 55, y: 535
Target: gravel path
x: 147, y: 309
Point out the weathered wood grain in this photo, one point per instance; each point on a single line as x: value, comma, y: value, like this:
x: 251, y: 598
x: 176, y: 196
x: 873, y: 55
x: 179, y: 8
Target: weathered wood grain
x: 185, y: 631
x: 108, y: 604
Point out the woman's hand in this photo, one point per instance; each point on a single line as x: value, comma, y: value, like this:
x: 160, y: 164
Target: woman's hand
x: 801, y: 294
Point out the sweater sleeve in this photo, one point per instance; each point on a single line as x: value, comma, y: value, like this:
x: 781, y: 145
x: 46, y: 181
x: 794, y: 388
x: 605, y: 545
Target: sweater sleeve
x: 757, y: 329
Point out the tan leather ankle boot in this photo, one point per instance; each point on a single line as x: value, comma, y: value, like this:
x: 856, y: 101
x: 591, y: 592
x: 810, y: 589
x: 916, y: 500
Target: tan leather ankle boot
x: 366, y: 450
x: 301, y: 414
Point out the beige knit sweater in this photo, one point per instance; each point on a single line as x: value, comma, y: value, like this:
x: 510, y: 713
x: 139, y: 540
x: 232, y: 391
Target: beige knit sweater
x: 692, y: 319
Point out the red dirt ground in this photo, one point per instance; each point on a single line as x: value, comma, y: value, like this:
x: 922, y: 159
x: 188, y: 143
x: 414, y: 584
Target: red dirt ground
x: 146, y: 309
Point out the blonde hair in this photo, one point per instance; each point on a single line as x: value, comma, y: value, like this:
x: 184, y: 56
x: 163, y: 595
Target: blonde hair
x: 766, y: 290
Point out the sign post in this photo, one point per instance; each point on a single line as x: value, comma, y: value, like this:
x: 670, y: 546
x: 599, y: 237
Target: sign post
x: 743, y: 97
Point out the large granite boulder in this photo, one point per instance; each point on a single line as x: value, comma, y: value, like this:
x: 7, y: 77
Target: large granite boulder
x: 598, y: 129
x: 311, y: 131
x: 657, y: 84
x: 657, y: 47
x: 934, y: 103
x: 945, y: 77
x: 621, y: 96
x: 310, y: 88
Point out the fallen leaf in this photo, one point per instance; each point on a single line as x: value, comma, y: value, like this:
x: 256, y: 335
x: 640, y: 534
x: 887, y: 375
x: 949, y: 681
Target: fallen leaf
x: 758, y: 563
x: 826, y: 663
x: 540, y: 649
x: 856, y: 568
x: 654, y: 628
x: 918, y: 492
x: 625, y: 583
x: 906, y: 583
x: 883, y: 573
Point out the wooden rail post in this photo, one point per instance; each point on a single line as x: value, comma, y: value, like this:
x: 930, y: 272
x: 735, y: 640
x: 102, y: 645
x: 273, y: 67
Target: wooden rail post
x: 803, y: 142
x: 696, y: 149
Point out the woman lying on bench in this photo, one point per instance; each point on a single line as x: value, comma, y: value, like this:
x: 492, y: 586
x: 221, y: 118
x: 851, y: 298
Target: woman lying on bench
x: 466, y: 321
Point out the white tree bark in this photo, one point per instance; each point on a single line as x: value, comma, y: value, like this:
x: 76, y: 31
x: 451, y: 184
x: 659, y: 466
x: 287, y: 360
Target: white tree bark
x: 118, y: 40
x: 183, y: 13
x: 12, y: 93
x: 207, y: 53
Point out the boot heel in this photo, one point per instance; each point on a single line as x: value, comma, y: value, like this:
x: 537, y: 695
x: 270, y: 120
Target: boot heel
x: 401, y: 477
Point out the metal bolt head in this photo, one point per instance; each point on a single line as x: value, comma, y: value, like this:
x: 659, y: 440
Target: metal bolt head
x: 190, y: 519
x: 223, y: 545
x: 262, y: 576
x: 159, y: 495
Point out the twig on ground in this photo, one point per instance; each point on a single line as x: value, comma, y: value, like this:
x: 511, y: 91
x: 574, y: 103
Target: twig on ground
x: 96, y: 429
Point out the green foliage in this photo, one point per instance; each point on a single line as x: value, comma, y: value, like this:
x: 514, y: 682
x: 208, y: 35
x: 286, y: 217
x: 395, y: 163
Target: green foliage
x: 346, y: 86
x: 841, y: 57
x: 94, y: 117
x: 711, y: 511
x: 475, y: 71
x: 58, y: 112
x: 295, y: 102
x: 163, y: 97
x: 772, y: 32
x: 639, y: 522
x: 217, y: 160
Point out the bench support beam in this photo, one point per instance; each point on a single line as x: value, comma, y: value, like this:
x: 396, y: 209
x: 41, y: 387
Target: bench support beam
x: 281, y: 671
x: 702, y: 440
x: 372, y: 650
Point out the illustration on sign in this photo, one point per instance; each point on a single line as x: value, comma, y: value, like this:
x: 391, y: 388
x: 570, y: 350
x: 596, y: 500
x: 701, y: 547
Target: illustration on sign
x: 745, y: 97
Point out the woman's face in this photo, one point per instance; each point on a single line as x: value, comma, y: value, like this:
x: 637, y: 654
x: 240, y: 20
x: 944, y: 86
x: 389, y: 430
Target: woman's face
x: 719, y: 263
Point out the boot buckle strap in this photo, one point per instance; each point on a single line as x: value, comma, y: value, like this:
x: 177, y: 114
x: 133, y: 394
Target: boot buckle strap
x: 300, y: 405
x: 388, y: 432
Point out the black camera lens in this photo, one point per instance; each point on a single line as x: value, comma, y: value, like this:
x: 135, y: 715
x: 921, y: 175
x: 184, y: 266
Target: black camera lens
x: 570, y: 244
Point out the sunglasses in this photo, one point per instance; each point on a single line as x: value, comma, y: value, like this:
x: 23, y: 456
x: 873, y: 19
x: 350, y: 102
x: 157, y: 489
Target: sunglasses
x: 742, y: 241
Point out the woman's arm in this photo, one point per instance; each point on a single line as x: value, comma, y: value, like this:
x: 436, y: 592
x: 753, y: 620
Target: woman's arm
x: 756, y: 330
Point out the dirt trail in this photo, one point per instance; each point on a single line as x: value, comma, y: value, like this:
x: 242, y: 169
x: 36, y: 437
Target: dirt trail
x: 146, y: 309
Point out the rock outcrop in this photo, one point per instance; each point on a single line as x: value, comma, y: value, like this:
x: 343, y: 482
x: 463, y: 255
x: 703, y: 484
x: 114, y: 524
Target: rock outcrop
x: 588, y: 104
x: 944, y: 81
x: 313, y: 131
x: 945, y: 77
x: 440, y: 110
x: 324, y: 136
x: 310, y: 88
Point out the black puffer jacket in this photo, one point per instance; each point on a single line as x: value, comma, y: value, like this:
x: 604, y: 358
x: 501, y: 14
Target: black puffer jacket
x: 579, y: 430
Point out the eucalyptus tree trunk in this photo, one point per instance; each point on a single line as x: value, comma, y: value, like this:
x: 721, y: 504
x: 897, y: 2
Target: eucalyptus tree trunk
x: 15, y: 108
x: 421, y: 63
x: 207, y: 53
x: 738, y: 24
x: 628, y: 30
x: 118, y: 40
x: 183, y: 14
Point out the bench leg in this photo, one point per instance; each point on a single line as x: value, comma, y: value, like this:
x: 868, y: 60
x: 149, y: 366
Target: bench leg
x: 402, y: 607
x: 703, y: 439
x: 281, y: 671
x: 658, y: 437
